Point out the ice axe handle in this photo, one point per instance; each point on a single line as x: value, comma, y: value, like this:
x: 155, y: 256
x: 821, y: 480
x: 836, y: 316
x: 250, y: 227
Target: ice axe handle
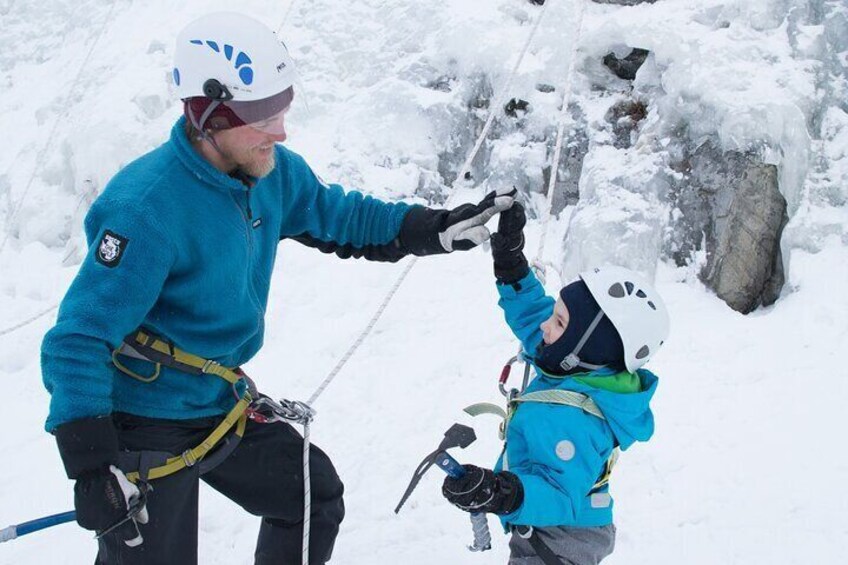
x: 16, y: 531
x: 479, y: 525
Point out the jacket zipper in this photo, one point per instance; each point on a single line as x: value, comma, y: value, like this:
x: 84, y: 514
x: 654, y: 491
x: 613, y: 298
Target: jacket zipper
x: 247, y: 214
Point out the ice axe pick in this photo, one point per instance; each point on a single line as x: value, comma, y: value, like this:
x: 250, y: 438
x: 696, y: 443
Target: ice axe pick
x: 460, y: 436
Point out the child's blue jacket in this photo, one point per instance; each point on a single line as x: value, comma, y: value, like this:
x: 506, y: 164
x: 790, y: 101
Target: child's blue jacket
x: 187, y: 251
x: 559, y: 452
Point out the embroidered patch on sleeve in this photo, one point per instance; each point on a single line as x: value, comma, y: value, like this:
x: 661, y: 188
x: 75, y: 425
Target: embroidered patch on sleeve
x: 111, y: 249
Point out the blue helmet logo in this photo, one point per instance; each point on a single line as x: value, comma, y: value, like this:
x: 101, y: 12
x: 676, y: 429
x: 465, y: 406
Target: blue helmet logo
x: 242, y: 62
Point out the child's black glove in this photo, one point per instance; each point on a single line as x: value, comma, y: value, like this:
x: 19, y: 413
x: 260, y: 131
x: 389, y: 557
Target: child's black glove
x: 507, y: 244
x: 483, y: 490
x: 426, y: 231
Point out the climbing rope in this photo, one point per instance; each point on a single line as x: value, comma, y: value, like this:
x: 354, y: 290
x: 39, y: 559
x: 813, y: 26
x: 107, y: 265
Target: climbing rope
x: 54, y: 305
x: 476, y: 148
x: 16, y: 208
x: 302, y: 413
x: 286, y: 16
x: 538, y: 263
x: 466, y: 166
x: 39, y: 161
x: 28, y: 320
x: 459, y: 178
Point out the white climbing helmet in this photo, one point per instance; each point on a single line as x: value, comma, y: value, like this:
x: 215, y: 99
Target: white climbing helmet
x: 634, y: 307
x: 236, y: 60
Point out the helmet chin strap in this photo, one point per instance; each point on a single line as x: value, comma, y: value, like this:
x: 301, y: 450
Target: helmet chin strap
x: 572, y: 360
x: 198, y: 125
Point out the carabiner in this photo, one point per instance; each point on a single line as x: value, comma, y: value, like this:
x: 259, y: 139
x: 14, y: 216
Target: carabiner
x: 505, y: 376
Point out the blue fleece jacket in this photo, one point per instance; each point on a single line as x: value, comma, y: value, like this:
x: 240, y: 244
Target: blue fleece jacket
x: 187, y: 251
x: 559, y: 452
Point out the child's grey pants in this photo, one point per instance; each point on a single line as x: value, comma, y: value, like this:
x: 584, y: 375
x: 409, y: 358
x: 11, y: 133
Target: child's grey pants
x: 574, y: 546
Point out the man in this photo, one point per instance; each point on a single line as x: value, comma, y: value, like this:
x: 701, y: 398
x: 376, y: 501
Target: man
x: 142, y: 364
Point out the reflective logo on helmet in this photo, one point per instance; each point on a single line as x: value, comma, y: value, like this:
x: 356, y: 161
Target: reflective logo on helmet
x: 242, y: 62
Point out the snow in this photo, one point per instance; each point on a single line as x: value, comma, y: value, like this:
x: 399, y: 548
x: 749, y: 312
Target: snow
x: 745, y: 466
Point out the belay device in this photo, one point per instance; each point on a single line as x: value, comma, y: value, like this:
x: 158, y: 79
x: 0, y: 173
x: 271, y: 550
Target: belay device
x: 457, y: 436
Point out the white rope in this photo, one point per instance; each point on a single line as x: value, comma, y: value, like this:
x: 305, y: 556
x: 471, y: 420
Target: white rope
x: 388, y: 298
x: 495, y: 106
x: 375, y: 318
x: 286, y: 16
x: 563, y: 112
x: 28, y: 320
x: 307, y: 494
x: 307, y: 504
x: 55, y: 304
x: 15, y: 209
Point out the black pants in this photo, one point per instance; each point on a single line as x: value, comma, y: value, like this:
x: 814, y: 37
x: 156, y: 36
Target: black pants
x: 264, y: 475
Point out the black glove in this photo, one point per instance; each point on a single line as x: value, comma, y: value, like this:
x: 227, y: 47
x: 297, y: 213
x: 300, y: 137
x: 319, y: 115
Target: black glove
x: 426, y: 231
x: 483, y: 490
x: 507, y: 245
x: 103, y: 496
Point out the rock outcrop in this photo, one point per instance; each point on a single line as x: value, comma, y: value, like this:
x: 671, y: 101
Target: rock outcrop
x: 730, y: 203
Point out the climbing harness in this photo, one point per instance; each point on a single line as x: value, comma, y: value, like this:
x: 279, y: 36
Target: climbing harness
x: 264, y: 409
x: 146, y: 346
x: 516, y: 397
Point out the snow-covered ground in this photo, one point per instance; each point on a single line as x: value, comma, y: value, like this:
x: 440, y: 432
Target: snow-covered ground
x: 746, y: 465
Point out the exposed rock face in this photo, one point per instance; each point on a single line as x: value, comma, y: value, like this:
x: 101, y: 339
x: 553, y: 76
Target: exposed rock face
x: 624, y: 117
x: 731, y: 203
x: 627, y: 67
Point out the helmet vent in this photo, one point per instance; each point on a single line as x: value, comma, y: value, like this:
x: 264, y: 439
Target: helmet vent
x: 643, y: 352
x: 641, y: 294
x: 616, y: 291
x: 630, y: 286
x: 651, y: 304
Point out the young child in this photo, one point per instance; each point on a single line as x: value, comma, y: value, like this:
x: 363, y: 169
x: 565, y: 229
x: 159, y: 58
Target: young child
x: 589, y: 397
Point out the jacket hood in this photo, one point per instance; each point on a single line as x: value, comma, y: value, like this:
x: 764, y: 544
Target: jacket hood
x: 629, y: 415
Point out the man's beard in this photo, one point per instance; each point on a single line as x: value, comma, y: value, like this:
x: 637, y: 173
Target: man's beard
x: 252, y: 162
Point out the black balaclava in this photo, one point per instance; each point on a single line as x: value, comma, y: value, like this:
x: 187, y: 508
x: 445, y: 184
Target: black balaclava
x: 603, y: 347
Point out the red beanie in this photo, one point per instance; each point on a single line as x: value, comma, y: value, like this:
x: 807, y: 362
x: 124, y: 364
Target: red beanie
x: 222, y: 117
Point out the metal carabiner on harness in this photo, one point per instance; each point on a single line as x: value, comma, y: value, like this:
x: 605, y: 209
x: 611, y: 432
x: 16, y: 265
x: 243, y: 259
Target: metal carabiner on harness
x: 265, y: 410
x: 504, y: 378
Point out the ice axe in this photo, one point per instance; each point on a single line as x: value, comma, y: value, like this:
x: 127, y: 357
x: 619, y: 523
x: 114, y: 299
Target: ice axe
x: 457, y: 436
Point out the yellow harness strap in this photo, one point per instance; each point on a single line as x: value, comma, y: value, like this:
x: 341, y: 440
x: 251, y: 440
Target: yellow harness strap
x: 145, y: 346
x: 237, y: 416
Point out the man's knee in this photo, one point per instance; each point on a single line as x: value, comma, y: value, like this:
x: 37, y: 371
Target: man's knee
x: 325, y: 483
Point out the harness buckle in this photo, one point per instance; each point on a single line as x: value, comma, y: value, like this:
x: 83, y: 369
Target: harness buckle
x: 208, y: 366
x: 188, y: 458
x: 524, y: 532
